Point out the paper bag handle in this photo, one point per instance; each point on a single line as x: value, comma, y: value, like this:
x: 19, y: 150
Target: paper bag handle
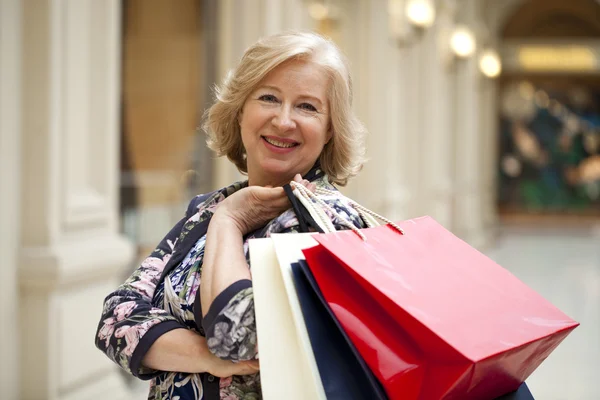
x: 310, y: 201
x: 304, y: 218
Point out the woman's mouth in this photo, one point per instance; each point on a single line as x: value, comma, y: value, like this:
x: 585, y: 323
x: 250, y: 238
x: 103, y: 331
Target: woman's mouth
x: 280, y: 143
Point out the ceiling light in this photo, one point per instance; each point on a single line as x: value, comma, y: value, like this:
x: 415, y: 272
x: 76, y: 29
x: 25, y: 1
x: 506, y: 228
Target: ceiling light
x: 420, y: 13
x: 462, y: 42
x: 490, y: 64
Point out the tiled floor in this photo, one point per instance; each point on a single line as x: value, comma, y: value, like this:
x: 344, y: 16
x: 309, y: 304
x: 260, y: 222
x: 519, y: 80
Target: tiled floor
x: 139, y: 390
x: 564, y: 267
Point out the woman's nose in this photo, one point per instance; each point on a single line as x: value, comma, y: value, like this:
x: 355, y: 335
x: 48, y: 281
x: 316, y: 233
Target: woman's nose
x: 283, y: 119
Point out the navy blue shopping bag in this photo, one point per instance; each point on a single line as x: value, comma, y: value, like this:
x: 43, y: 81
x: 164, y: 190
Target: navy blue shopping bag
x: 522, y: 394
x: 344, y: 373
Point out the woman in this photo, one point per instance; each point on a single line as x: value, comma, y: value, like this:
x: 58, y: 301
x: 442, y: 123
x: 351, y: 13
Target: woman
x: 185, y: 318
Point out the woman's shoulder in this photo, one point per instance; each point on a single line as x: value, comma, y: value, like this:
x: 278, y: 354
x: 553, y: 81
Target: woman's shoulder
x: 205, y: 200
x: 328, y: 192
x: 340, y: 203
x: 202, y: 201
x: 199, y: 199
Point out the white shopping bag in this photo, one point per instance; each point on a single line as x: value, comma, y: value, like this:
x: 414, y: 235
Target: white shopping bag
x: 287, y: 365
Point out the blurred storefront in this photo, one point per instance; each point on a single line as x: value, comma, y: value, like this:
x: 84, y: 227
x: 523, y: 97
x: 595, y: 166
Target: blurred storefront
x: 476, y: 109
x: 165, y: 68
x: 550, y: 112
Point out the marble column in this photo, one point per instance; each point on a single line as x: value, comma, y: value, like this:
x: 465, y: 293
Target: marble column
x: 467, y: 219
x: 409, y: 114
x: 224, y: 172
x: 489, y: 158
x: 10, y: 176
x: 72, y: 254
x: 382, y: 76
x: 437, y: 133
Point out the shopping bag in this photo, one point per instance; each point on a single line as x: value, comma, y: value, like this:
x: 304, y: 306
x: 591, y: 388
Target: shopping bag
x: 343, y: 372
x: 522, y: 393
x: 431, y: 316
x: 287, y: 365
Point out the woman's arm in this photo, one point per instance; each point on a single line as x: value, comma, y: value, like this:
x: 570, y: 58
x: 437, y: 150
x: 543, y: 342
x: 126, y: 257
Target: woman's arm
x: 179, y: 350
x: 224, y: 259
x: 226, y: 289
x: 129, y: 324
x: 227, y: 299
x: 182, y: 350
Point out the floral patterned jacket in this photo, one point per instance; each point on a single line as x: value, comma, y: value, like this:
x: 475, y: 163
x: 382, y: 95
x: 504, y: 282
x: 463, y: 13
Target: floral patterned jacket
x: 162, y: 294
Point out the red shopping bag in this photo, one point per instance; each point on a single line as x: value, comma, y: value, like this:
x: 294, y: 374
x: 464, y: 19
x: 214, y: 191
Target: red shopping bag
x: 432, y: 317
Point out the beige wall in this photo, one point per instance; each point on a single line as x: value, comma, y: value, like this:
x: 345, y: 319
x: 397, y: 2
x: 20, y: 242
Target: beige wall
x: 10, y: 112
x: 71, y: 253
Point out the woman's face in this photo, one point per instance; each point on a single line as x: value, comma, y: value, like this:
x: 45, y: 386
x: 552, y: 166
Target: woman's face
x: 285, y: 123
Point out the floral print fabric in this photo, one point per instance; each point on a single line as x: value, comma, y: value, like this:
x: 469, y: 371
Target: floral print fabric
x: 143, y: 308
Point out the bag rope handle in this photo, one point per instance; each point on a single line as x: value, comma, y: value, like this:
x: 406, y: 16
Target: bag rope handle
x: 370, y: 217
x: 301, y: 191
x: 318, y: 213
x: 360, y: 208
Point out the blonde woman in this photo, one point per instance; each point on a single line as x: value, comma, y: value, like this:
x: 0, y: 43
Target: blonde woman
x: 185, y: 318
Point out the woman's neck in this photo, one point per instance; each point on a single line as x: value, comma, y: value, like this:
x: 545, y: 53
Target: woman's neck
x: 253, y: 180
x: 261, y: 179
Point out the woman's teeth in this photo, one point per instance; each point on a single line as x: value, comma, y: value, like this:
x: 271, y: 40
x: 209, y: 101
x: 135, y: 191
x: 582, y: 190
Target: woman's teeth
x: 278, y: 143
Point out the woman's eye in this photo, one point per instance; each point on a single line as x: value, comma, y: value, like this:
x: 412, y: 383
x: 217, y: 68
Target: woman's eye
x: 308, y: 107
x: 269, y: 98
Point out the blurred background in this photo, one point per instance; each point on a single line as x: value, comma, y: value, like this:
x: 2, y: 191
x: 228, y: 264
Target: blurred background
x: 484, y: 114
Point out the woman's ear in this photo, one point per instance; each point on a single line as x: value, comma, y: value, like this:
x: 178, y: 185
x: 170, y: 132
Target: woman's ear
x: 329, y: 134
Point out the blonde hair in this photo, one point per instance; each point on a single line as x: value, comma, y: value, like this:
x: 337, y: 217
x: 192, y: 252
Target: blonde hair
x: 343, y: 156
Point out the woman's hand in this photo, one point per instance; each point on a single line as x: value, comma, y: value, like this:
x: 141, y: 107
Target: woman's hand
x: 225, y: 368
x: 254, y: 206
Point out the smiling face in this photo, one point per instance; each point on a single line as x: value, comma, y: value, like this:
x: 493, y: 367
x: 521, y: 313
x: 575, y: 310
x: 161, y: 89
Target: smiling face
x: 285, y: 123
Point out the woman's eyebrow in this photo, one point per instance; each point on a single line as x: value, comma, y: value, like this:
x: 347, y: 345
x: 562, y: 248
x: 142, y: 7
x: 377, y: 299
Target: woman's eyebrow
x: 269, y: 87
x: 302, y: 96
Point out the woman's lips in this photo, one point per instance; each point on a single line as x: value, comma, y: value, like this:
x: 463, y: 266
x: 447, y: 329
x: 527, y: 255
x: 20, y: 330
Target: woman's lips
x: 279, y: 145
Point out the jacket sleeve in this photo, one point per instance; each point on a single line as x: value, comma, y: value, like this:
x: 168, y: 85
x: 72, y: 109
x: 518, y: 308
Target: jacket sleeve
x: 230, y: 324
x: 129, y: 324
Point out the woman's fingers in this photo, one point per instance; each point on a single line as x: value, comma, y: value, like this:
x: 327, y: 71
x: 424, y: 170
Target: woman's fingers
x: 246, y: 368
x: 270, y: 194
x: 225, y: 368
x: 309, y: 185
x: 254, y: 365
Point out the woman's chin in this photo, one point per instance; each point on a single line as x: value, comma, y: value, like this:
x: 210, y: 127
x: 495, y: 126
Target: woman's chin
x: 278, y: 172
x: 281, y: 178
